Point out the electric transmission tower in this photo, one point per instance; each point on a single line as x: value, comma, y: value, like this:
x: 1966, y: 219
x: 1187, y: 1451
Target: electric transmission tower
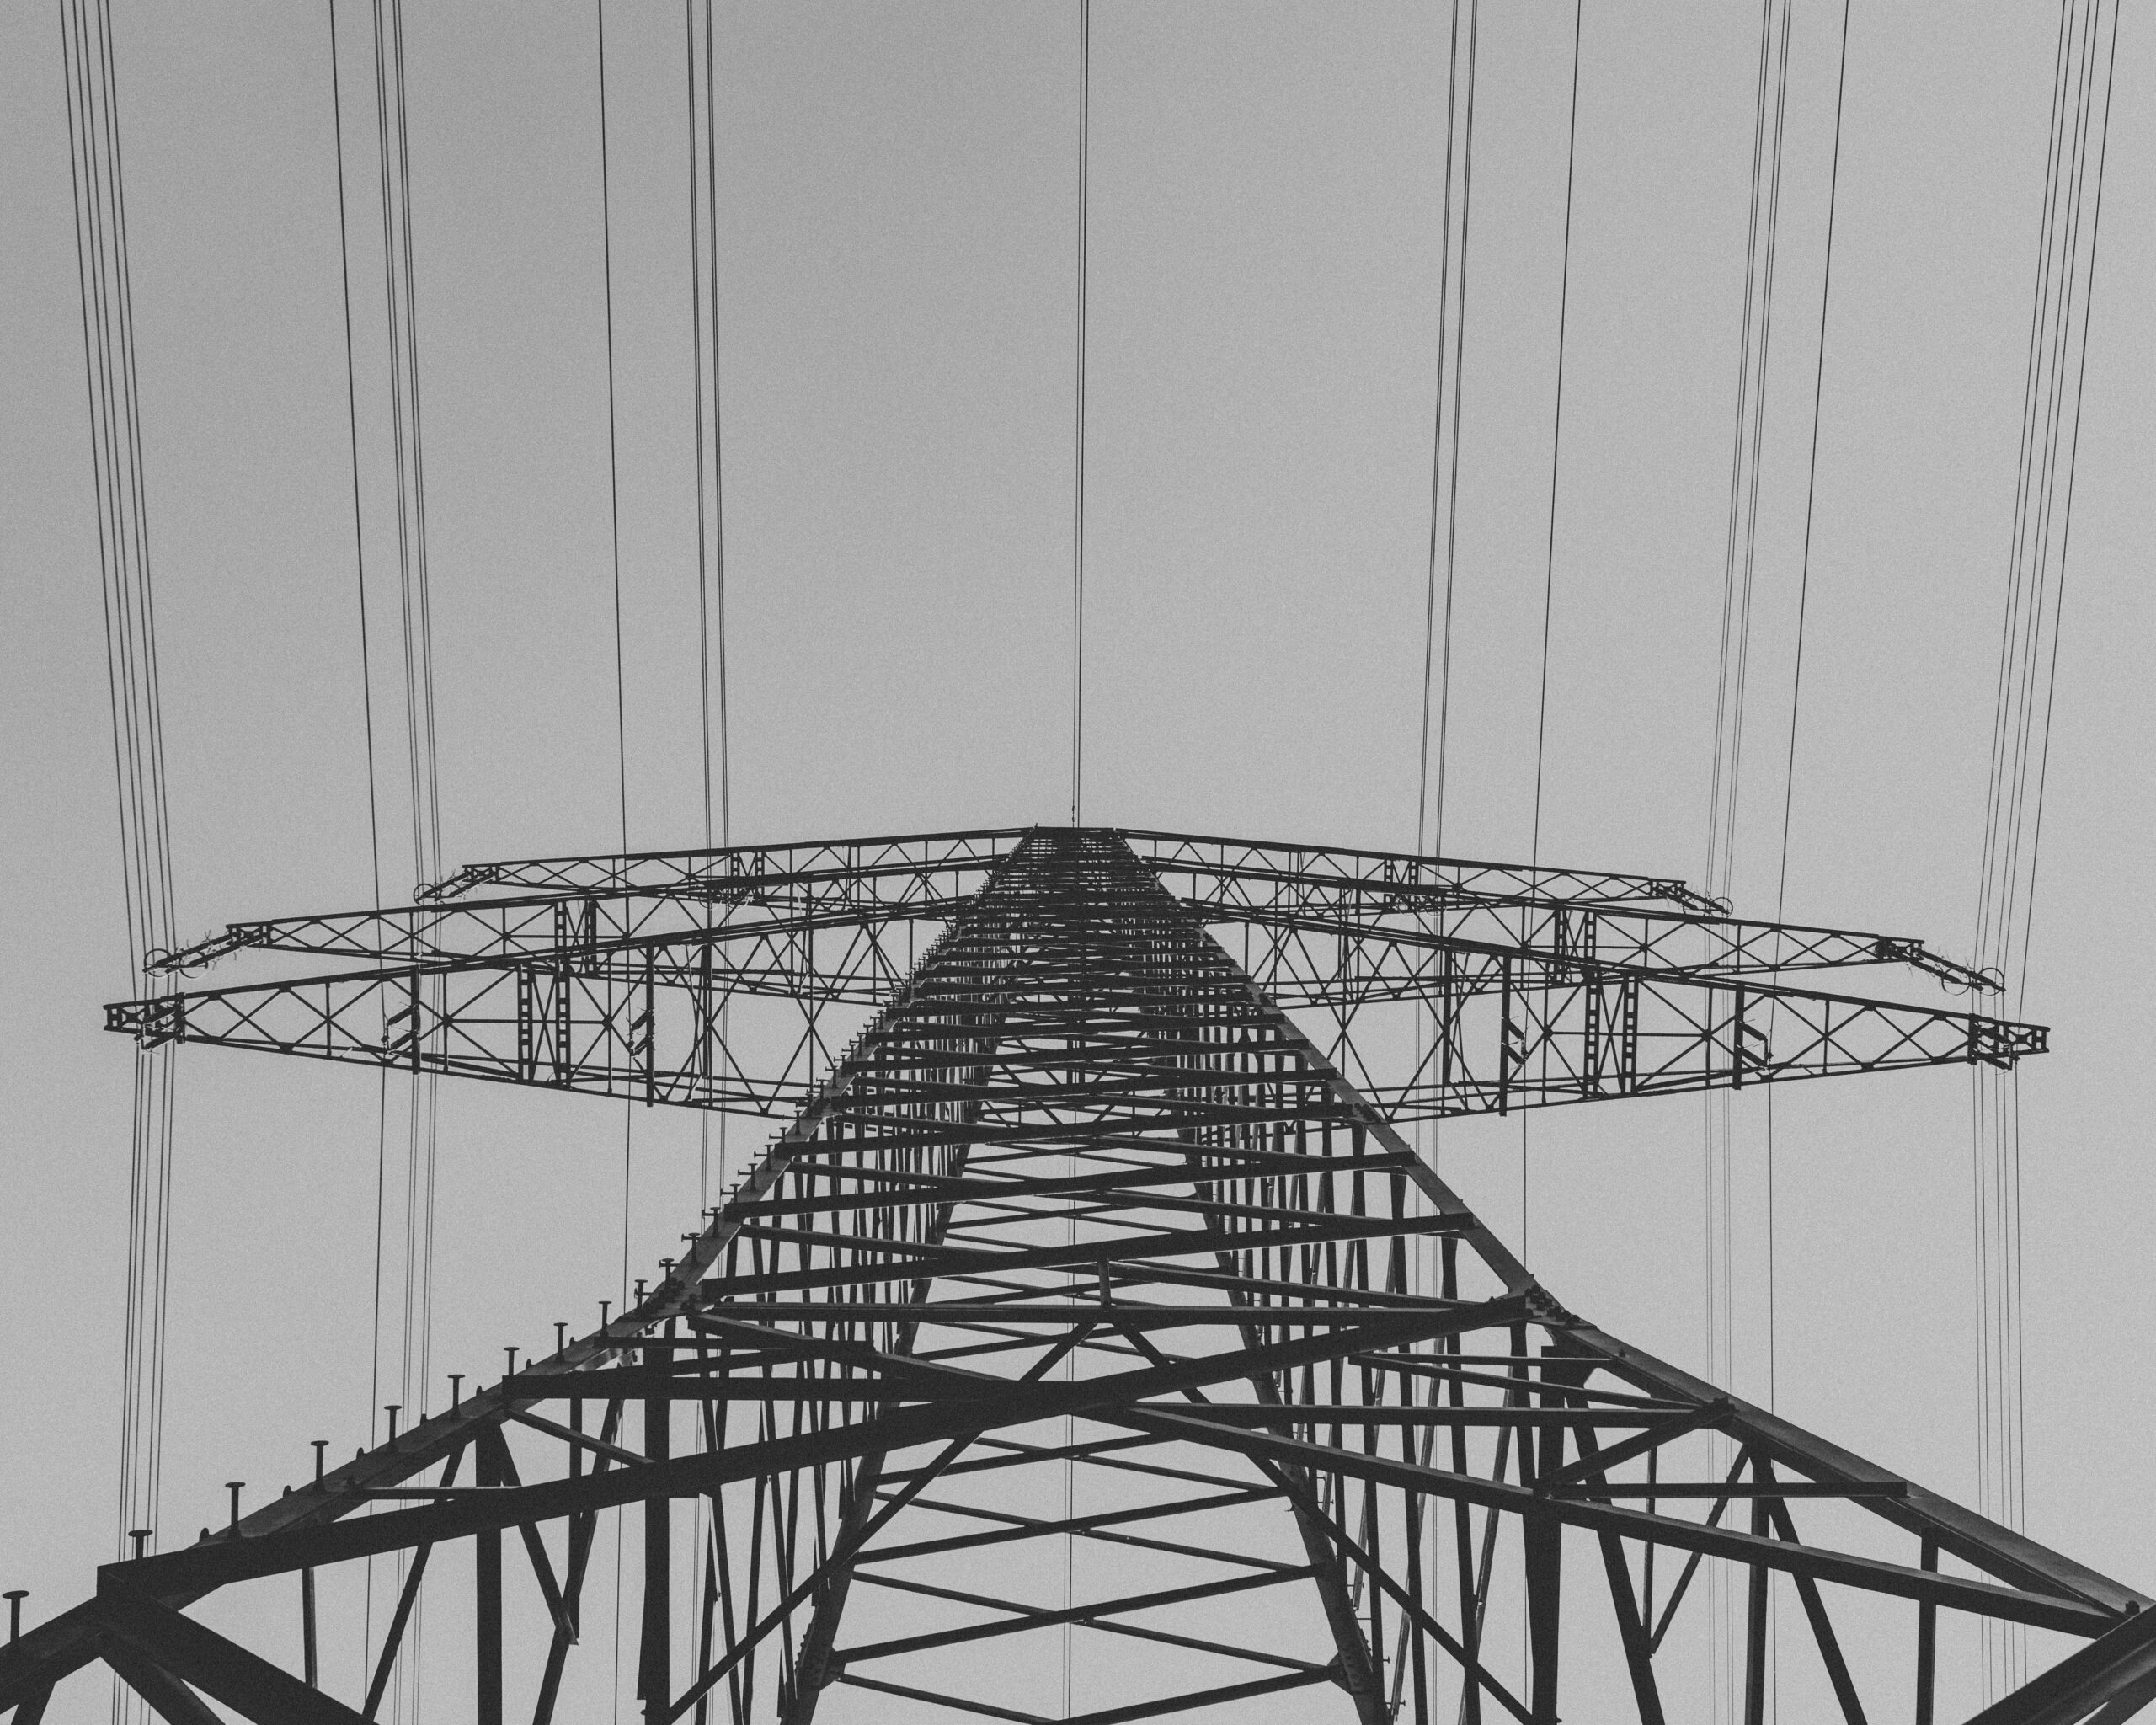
x: 1093, y: 1309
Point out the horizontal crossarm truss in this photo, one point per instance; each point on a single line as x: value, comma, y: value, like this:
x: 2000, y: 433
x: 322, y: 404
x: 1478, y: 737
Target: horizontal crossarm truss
x: 735, y: 987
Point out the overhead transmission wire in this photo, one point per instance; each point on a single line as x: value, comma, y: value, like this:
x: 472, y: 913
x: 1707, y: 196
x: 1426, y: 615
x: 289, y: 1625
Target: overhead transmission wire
x: 406, y: 469
x: 367, y: 723
x: 414, y: 583
x: 1077, y: 730
x: 1550, y: 563
x: 423, y: 1140
x: 1436, y: 615
x: 621, y: 704
x: 352, y: 416
x: 1994, y: 1145
x: 1739, y: 572
x: 1078, y: 439
x: 1444, y: 488
x: 1430, y: 612
x: 713, y: 725
x: 614, y: 533
x: 2020, y: 756
x: 1556, y: 436
x: 120, y: 491
x: 1431, y: 624
x: 711, y: 621
x: 1995, y: 1179
x: 1789, y: 772
x: 1549, y: 569
x: 1803, y: 607
x: 1444, y: 453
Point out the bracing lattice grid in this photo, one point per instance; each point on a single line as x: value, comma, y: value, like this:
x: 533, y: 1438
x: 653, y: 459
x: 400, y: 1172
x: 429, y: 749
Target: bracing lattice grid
x: 1091, y: 1301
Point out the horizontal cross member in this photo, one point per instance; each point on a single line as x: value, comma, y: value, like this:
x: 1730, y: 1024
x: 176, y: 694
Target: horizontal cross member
x: 920, y: 1258
x: 1516, y: 1029
x: 1058, y: 1315
x: 453, y: 930
x: 1982, y: 1598
x: 217, y: 1561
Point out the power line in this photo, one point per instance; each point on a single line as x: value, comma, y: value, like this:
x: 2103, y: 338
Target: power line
x: 2025, y: 696
x: 1078, y: 702
x: 412, y: 1273
x: 1425, y: 1133
x: 1739, y: 572
x: 621, y: 703
x: 427, y: 775
x: 1550, y: 566
x: 711, y: 596
x: 1458, y: 400
x: 1556, y: 436
x: 2066, y: 519
x: 120, y: 491
x: 1437, y: 452
x: 366, y: 713
x: 1078, y: 473
x: 352, y: 420
x: 1795, y: 704
x: 1797, y: 669
x: 613, y: 439
x: 708, y: 1535
x: 366, y: 703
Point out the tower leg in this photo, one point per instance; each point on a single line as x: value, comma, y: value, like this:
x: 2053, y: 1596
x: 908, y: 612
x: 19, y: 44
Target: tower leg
x: 1927, y: 1642
x: 655, y: 1663
x: 487, y: 1564
x: 488, y: 1640
x: 1755, y: 1625
x: 1544, y: 1539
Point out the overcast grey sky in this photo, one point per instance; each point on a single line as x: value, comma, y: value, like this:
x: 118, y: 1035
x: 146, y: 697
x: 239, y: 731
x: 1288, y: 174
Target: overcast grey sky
x: 897, y: 207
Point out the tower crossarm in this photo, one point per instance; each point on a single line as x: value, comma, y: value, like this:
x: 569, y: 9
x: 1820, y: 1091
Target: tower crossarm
x: 448, y: 930
x: 567, y: 923
x: 646, y: 1017
x: 1324, y: 928
x: 1258, y: 866
x: 661, y: 871
x: 1650, y: 937
x: 1165, y: 852
x: 1498, y: 1029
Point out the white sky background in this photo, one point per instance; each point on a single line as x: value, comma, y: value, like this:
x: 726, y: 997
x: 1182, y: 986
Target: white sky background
x: 897, y: 207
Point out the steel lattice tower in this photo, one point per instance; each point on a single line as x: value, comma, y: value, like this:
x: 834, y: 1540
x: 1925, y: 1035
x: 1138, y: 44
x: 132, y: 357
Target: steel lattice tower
x: 1082, y: 1241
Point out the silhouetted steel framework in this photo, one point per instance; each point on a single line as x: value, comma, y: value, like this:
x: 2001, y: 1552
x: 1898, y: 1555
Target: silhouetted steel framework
x: 1080, y: 1201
